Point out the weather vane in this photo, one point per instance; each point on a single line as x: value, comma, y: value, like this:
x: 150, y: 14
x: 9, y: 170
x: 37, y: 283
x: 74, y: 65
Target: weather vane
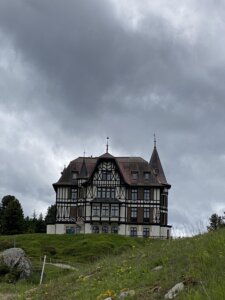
x: 107, y: 145
x: 154, y: 140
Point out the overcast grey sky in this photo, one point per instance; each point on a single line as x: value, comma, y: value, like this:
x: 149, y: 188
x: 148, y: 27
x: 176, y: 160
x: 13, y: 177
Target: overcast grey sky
x: 73, y: 72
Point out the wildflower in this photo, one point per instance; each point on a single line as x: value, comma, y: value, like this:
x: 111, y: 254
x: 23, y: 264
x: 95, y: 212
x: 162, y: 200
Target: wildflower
x: 108, y: 293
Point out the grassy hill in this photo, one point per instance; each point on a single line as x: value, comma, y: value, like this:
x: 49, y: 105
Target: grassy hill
x: 107, y: 264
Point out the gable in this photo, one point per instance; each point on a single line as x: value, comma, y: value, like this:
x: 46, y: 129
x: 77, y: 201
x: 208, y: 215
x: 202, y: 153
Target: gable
x: 106, y: 173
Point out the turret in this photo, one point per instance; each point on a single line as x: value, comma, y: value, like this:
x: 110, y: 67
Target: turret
x: 156, y: 165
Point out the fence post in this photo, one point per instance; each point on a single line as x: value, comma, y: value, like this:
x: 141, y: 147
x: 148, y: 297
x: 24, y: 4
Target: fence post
x: 43, y: 268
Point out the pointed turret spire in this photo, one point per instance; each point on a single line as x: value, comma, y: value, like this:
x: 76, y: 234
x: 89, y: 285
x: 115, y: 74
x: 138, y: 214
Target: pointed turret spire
x: 155, y: 163
x: 83, y: 170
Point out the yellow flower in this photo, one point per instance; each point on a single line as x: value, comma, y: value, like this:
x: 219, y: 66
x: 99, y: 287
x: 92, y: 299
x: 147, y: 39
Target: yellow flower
x: 108, y: 293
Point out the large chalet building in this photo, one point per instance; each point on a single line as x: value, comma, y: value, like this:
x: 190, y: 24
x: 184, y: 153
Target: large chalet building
x: 111, y: 194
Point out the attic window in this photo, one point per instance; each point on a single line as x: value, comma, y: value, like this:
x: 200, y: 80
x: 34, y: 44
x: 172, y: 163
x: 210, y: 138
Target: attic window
x: 146, y: 175
x: 134, y: 175
x: 74, y: 175
x: 106, y: 175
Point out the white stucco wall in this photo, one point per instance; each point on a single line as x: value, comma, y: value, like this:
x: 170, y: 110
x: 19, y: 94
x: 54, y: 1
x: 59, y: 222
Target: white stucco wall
x: 51, y: 229
x: 155, y: 231
x: 164, y: 231
x: 122, y: 214
x: 87, y: 228
x: 122, y: 229
x: 60, y: 229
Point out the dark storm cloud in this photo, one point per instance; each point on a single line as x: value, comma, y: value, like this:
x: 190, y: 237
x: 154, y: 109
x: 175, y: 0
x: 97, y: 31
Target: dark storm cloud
x: 82, y: 49
x: 73, y: 72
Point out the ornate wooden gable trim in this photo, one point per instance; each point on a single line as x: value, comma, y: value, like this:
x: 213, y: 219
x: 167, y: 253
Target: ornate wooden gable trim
x: 107, y: 164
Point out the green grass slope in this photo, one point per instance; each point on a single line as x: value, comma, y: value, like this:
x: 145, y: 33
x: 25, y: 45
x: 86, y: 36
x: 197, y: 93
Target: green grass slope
x: 127, y: 263
x: 69, y: 248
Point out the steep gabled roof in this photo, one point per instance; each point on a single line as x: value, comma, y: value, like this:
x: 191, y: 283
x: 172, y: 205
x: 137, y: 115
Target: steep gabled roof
x: 156, y: 165
x: 85, y: 167
x: 128, y: 165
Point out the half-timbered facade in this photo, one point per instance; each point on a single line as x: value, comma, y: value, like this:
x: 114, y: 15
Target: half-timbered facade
x: 107, y: 194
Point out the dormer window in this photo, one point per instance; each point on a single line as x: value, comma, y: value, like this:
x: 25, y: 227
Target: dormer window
x: 74, y: 175
x: 146, y: 175
x: 134, y: 175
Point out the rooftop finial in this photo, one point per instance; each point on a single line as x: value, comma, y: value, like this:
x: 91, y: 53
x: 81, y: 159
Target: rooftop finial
x: 84, y: 153
x: 154, y: 140
x: 107, y: 145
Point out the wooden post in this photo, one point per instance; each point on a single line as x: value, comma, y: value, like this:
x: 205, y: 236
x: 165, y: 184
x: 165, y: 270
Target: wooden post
x: 43, y: 268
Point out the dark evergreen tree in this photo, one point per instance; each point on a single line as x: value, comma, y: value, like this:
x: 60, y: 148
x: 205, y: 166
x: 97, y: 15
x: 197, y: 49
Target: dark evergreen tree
x: 34, y: 215
x: 1, y: 216
x: 215, y: 222
x: 29, y: 225
x: 40, y: 224
x: 6, y: 199
x: 51, y: 215
x: 12, y: 220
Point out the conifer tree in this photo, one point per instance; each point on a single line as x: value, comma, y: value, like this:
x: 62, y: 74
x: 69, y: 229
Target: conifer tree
x: 215, y: 222
x: 40, y: 224
x: 12, y: 220
x: 51, y: 215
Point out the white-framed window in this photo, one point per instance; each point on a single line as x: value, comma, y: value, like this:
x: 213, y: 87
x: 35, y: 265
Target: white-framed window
x: 105, y: 229
x: 157, y: 194
x: 133, y: 212
x: 146, y: 175
x: 113, y: 194
x: 134, y: 194
x: 133, y: 231
x: 114, y: 211
x: 99, y: 192
x: 145, y: 232
x: 110, y: 192
x: 103, y: 192
x: 114, y: 229
x: 74, y: 175
x: 62, y: 193
x: 106, y: 175
x: 146, y: 194
x: 105, y: 211
x: 95, y: 229
x: 74, y: 194
x: 96, y: 211
x: 146, y: 213
x: 156, y: 215
x: 134, y: 175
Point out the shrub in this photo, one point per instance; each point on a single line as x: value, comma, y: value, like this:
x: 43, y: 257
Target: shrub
x: 70, y: 251
x: 4, y: 269
x: 12, y: 276
x: 120, y: 250
x: 5, y: 244
x: 49, y: 250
